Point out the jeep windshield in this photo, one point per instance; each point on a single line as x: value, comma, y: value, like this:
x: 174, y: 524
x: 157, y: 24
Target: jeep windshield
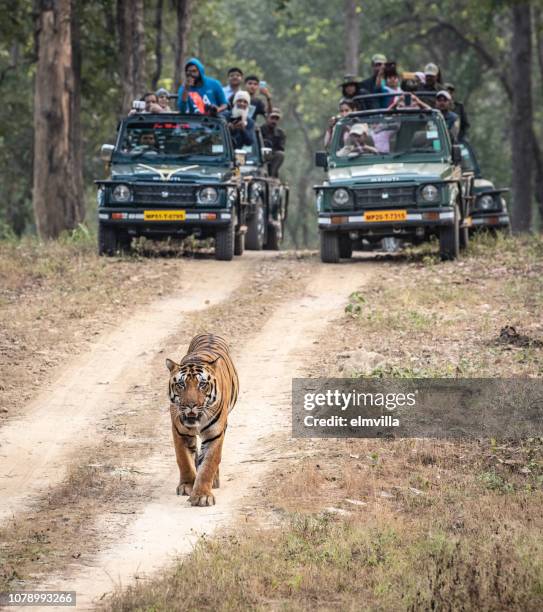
x: 385, y: 137
x: 170, y: 141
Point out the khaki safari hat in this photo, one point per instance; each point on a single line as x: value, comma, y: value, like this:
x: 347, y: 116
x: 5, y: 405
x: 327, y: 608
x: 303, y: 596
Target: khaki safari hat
x: 431, y: 69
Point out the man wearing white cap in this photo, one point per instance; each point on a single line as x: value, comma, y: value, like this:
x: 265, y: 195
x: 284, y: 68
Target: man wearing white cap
x: 359, y: 142
x: 443, y: 103
x: 241, y: 126
x: 431, y: 78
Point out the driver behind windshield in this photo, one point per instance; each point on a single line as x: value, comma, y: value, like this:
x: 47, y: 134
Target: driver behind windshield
x: 147, y: 143
x: 359, y: 142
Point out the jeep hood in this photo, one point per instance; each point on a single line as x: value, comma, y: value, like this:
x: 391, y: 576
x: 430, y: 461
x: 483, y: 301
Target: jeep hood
x: 480, y: 184
x: 170, y: 172
x: 391, y: 173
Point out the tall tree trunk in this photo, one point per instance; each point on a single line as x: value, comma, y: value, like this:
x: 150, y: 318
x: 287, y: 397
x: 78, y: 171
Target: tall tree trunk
x: 184, y: 20
x: 522, y: 116
x: 75, y: 131
x: 130, y: 25
x: 57, y: 195
x: 352, y: 33
x: 538, y: 156
x: 158, y: 44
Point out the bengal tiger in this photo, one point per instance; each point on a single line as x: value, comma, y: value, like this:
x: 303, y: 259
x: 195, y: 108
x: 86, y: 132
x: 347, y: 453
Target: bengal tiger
x: 203, y: 389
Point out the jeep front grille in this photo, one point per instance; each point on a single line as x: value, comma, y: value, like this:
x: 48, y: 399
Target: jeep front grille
x: 384, y: 197
x: 164, y: 194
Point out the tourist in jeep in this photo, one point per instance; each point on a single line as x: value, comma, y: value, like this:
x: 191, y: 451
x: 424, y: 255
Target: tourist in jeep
x: 458, y: 108
x: 235, y: 79
x: 274, y: 138
x: 345, y: 107
x: 163, y: 98
x: 241, y: 126
x: 443, y: 103
x: 257, y: 107
x: 350, y: 89
x: 151, y: 104
x: 431, y: 78
x: 359, y: 142
x: 200, y: 94
x: 392, y: 80
x: 374, y: 84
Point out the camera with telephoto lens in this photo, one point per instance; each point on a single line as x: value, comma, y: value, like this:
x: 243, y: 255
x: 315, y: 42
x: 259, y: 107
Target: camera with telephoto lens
x: 138, y: 105
x: 211, y: 110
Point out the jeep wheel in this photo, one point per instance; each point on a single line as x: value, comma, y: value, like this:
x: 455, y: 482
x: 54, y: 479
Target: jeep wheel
x: 463, y: 238
x: 108, y: 241
x: 449, y: 239
x: 256, y: 229
x: 329, y: 247
x: 345, y: 247
x: 239, y: 244
x: 273, y: 239
x: 224, y: 242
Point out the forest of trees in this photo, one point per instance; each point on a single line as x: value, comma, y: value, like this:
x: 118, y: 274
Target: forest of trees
x: 69, y: 68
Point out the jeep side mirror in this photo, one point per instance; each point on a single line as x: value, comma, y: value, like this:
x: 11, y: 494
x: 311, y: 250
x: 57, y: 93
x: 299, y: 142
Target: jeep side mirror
x: 457, y: 155
x: 267, y: 153
x: 106, y: 151
x: 241, y: 157
x: 321, y: 159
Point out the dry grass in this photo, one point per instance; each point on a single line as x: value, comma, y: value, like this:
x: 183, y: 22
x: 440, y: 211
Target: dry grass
x: 405, y: 525
x: 397, y: 525
x: 66, y: 523
x: 58, y: 530
x: 425, y: 318
x: 56, y: 297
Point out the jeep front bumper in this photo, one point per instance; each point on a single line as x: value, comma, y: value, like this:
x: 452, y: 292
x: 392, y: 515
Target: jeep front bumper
x: 147, y: 217
x: 358, y: 220
x: 496, y: 219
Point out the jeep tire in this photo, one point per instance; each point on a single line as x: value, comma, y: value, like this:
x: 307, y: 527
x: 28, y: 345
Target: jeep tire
x: 463, y: 238
x: 329, y: 247
x: 239, y: 243
x: 345, y: 246
x: 273, y: 238
x: 111, y: 240
x: 224, y: 242
x: 256, y: 229
x: 449, y: 239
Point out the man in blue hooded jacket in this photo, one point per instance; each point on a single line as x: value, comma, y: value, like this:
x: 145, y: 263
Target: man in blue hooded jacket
x: 200, y: 94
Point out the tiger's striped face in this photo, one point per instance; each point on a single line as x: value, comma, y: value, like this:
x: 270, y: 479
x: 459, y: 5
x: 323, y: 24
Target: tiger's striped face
x: 193, y: 393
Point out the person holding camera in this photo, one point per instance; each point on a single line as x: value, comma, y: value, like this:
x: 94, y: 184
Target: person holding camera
x: 200, y: 94
x: 148, y: 103
x: 374, y: 84
x: 257, y: 107
x: 241, y: 126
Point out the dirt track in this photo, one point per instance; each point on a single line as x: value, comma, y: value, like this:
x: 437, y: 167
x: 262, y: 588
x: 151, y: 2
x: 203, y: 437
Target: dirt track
x: 36, y: 448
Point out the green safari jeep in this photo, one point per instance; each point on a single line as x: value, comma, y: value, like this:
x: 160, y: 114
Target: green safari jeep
x: 172, y: 176
x: 392, y: 173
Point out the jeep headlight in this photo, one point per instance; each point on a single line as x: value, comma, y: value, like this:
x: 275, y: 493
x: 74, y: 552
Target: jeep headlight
x: 208, y: 195
x: 486, y: 202
x: 430, y: 193
x: 100, y: 197
x: 341, y: 198
x: 121, y: 193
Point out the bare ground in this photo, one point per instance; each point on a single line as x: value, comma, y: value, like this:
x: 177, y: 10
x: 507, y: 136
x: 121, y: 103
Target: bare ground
x: 87, y: 472
x: 406, y: 522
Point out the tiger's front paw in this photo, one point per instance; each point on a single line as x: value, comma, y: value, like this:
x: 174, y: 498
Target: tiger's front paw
x: 206, y: 499
x: 184, y: 488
